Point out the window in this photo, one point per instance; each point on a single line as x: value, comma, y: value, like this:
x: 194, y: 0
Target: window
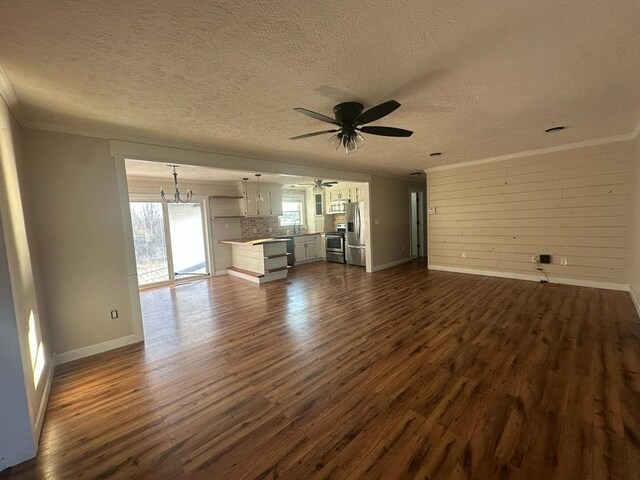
x: 293, y: 207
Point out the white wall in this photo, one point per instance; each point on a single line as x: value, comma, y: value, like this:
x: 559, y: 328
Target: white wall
x: 634, y: 274
x: 25, y: 362
x: 80, y: 238
x: 572, y: 203
x: 391, y: 216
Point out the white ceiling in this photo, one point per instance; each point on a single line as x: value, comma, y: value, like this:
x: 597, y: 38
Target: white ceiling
x: 476, y: 78
x: 155, y: 170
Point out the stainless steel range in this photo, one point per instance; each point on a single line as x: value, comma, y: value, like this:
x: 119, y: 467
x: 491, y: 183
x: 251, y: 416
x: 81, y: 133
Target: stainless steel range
x: 334, y: 242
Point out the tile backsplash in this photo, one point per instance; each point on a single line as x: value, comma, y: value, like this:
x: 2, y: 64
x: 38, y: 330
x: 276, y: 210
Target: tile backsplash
x: 338, y: 218
x: 251, y: 227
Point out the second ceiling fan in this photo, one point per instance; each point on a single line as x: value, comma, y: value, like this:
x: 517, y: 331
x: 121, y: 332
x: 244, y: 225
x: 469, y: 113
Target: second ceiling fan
x: 352, y: 119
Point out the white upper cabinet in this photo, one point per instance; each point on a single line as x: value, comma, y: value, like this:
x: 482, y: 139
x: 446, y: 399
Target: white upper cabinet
x: 343, y: 193
x: 271, y: 203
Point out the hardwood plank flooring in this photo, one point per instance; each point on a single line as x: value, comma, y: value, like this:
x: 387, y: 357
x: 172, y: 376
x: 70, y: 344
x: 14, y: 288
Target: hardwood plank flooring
x: 416, y: 374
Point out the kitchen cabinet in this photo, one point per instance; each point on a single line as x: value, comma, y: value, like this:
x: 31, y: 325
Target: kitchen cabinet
x: 318, y: 204
x: 305, y: 248
x: 356, y: 194
x: 271, y: 204
x: 258, y: 261
x: 351, y: 194
x: 339, y: 194
x: 321, y: 246
x: 318, y: 224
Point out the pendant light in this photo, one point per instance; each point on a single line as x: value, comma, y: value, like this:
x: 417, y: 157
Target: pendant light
x: 245, y: 195
x: 259, y: 197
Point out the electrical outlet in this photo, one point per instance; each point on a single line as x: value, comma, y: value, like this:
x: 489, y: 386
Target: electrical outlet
x: 431, y: 210
x: 270, y: 229
x: 226, y: 226
x: 564, y: 261
x: 114, y: 314
x: 544, y: 258
x: 377, y: 221
x: 255, y: 230
x: 464, y: 254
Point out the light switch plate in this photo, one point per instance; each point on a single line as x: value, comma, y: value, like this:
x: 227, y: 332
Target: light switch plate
x: 564, y: 261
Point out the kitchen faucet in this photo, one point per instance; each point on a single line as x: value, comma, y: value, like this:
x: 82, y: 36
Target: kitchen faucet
x: 294, y: 226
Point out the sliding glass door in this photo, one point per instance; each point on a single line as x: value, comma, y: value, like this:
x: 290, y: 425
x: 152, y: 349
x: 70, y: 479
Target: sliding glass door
x: 149, y: 239
x: 187, y: 240
x: 170, y: 241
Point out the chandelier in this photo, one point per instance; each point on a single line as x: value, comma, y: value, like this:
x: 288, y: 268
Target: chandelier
x: 176, y: 195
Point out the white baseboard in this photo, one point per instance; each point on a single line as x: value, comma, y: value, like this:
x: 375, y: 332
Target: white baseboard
x: 636, y: 301
x: 72, y: 355
x: 377, y: 268
x: 44, y: 400
x: 534, y: 278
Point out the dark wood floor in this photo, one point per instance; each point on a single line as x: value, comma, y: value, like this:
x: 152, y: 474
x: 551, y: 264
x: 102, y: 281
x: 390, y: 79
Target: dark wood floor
x: 337, y: 373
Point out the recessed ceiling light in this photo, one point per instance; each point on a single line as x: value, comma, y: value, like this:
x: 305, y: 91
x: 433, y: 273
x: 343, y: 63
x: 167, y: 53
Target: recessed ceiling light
x: 435, y: 154
x: 555, y: 129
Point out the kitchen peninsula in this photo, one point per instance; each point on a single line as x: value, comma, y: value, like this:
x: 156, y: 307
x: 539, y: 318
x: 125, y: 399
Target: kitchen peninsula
x: 258, y: 260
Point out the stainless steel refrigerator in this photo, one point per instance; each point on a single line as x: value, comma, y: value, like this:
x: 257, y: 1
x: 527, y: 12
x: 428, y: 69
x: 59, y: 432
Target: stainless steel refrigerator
x: 356, y: 243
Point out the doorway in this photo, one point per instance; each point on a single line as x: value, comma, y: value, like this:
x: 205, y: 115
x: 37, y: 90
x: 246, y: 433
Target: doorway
x: 417, y: 224
x: 170, y: 241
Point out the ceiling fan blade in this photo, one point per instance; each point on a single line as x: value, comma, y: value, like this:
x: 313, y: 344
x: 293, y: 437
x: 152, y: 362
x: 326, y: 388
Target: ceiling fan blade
x: 387, y: 131
x: 377, y: 112
x: 306, y: 135
x: 317, y: 116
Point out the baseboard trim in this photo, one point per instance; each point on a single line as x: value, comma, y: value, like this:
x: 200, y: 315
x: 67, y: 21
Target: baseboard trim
x: 384, y: 266
x: 44, y: 401
x: 636, y: 301
x: 78, y: 353
x: 534, y: 278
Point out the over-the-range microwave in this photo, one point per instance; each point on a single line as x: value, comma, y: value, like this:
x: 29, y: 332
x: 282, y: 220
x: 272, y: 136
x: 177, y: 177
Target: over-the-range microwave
x: 338, y: 206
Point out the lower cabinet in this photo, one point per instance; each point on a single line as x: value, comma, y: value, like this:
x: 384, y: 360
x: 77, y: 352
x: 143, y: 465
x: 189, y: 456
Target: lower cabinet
x: 305, y: 248
x: 321, y: 247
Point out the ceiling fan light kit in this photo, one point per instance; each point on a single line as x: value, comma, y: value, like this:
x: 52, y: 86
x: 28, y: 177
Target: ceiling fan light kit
x: 351, y: 118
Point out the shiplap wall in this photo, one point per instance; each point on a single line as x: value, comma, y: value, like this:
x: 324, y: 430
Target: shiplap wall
x: 572, y: 203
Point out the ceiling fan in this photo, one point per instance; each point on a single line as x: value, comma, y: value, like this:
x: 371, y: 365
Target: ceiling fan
x: 352, y: 119
x: 318, y: 183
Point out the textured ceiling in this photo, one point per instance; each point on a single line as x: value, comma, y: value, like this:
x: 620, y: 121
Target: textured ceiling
x: 142, y: 169
x: 476, y: 78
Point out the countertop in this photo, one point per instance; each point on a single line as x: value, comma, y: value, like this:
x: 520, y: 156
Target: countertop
x: 252, y: 241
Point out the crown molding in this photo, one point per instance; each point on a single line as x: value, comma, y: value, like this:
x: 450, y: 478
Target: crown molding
x: 541, y: 151
x: 11, y: 99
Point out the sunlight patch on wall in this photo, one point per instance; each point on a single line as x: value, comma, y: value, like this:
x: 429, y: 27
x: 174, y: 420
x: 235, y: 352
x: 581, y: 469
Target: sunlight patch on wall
x: 36, y: 350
